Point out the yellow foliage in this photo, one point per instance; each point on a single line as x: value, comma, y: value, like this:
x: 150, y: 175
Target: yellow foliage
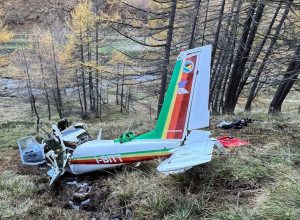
x: 155, y: 6
x: 154, y: 23
x: 118, y: 58
x: 66, y: 56
x: 110, y: 17
x: 82, y: 25
x: 83, y: 17
x: 95, y: 66
x: 5, y: 35
x: 157, y: 38
x: 3, y: 61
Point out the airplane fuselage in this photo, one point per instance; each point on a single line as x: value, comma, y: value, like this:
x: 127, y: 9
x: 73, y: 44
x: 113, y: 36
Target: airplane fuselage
x: 96, y: 155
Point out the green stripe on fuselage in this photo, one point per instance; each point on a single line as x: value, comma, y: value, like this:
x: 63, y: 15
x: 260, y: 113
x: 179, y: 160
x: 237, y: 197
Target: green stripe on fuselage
x: 160, y: 124
x: 128, y: 153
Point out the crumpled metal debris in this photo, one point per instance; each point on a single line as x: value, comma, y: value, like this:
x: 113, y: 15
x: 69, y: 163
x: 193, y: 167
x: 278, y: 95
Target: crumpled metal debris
x: 81, y: 198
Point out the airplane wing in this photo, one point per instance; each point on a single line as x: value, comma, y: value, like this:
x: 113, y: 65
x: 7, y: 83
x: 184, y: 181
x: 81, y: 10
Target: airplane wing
x: 197, y: 150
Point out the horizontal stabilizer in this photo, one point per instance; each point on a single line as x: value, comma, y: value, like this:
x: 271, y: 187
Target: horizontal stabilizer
x: 197, y: 150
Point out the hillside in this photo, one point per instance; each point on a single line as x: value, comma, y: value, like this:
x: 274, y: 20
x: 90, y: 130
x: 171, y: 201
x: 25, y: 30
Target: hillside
x: 258, y: 181
x: 112, y: 69
x: 21, y: 14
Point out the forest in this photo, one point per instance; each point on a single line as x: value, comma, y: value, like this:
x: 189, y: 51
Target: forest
x: 129, y: 47
x: 108, y: 63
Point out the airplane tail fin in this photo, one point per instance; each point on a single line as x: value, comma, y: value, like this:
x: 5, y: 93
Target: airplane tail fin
x: 186, y: 102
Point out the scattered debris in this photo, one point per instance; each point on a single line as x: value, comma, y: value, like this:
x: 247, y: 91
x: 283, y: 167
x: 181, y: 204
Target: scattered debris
x: 236, y: 124
x: 81, y: 198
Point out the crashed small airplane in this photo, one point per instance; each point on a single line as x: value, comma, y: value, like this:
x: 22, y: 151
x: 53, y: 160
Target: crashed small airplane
x: 176, y: 136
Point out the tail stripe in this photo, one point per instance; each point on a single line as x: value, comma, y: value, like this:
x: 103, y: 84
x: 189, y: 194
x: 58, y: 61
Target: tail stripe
x: 177, y: 115
x: 171, y: 108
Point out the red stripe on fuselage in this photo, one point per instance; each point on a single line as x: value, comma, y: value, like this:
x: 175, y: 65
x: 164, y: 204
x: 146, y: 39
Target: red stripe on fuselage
x: 179, y: 114
x: 117, y: 161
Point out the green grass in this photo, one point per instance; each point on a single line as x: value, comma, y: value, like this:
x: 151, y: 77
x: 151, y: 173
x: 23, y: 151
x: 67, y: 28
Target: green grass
x: 12, y: 131
x: 259, y: 181
x: 20, y: 198
x: 248, y: 183
x: 17, y: 42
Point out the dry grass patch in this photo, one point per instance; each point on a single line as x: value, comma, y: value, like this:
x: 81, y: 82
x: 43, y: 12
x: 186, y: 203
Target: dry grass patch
x: 153, y: 196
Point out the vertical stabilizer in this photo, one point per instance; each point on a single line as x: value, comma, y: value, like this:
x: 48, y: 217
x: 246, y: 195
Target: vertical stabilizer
x: 199, y: 113
x: 186, y: 101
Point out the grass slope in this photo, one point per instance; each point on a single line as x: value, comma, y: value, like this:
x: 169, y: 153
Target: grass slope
x: 259, y: 181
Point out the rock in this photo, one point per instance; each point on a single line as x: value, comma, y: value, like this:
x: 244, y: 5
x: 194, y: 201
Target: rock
x: 80, y: 197
x: 71, y: 205
x: 72, y: 183
x: 87, y: 201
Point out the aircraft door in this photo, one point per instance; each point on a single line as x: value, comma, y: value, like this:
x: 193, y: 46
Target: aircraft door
x: 31, y: 152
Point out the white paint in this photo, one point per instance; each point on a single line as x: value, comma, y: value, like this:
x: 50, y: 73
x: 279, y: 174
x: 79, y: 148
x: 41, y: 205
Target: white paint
x: 199, y: 114
x: 197, y: 150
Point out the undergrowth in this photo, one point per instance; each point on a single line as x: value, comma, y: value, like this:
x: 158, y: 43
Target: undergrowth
x: 257, y: 181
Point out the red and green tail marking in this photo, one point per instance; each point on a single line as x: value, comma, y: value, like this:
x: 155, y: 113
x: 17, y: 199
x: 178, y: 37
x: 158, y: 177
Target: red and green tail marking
x: 172, y: 119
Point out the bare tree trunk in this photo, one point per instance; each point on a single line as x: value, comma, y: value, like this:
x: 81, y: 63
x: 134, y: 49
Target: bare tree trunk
x: 286, y: 83
x: 98, y: 94
x: 205, y: 22
x: 117, y: 92
x: 217, y: 34
x: 55, y: 99
x: 97, y: 97
x: 166, y: 60
x: 232, y: 45
x: 266, y: 57
x: 221, y: 69
x: 128, y: 99
x: 78, y: 90
x: 214, y: 78
x: 26, y: 69
x: 218, y: 83
x: 100, y: 103
x: 43, y: 78
x: 122, y: 94
x: 89, y: 57
x: 257, y: 52
x: 235, y: 76
x: 248, y: 46
x: 192, y: 41
x: 106, y: 93
x: 37, y: 116
x: 59, y: 99
x: 82, y: 73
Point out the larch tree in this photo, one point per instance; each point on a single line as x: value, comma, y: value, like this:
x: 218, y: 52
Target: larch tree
x: 244, y: 40
x: 259, y: 72
x: 78, y: 49
x: 287, y: 82
x: 120, y: 61
x: 151, y: 26
x: 5, y: 36
x: 39, y: 50
x: 244, y: 48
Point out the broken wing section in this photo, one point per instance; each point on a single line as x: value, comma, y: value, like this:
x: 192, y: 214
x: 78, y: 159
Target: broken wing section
x: 197, y: 150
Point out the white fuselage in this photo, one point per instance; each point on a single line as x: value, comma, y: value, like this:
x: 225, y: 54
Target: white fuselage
x: 101, y: 154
